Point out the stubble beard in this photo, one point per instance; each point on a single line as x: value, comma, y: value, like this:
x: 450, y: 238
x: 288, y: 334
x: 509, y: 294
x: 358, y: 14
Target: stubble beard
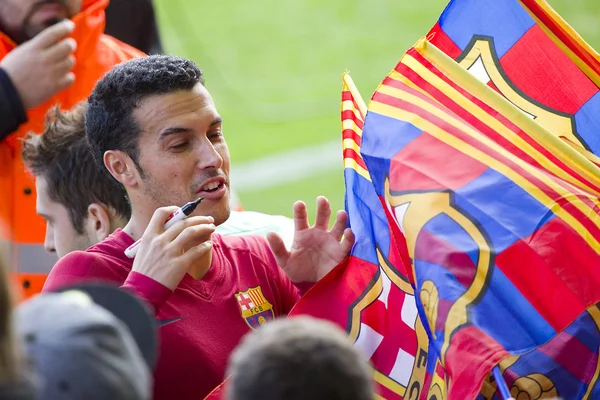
x: 160, y: 198
x: 29, y: 30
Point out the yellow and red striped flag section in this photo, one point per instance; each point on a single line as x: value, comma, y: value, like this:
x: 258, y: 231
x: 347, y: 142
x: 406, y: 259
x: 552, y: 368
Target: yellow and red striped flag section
x: 353, y: 115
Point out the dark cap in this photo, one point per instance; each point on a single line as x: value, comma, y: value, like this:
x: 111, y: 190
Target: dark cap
x: 89, y: 342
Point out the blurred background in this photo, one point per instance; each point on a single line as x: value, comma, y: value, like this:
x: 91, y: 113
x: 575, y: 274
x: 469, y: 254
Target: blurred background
x: 274, y: 69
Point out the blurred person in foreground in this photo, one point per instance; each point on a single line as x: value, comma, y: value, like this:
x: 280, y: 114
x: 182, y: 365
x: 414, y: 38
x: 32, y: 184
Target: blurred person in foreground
x: 92, y: 342
x: 82, y: 203
x: 15, y: 382
x: 51, y: 52
x: 153, y: 125
x: 295, y: 359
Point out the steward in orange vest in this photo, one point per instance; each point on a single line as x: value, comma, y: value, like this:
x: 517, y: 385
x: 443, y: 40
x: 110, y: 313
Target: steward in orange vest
x: 62, y: 64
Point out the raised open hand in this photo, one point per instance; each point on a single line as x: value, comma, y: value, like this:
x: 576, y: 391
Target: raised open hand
x: 315, y: 250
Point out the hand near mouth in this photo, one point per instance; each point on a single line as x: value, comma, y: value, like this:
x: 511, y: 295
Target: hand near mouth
x: 49, y: 58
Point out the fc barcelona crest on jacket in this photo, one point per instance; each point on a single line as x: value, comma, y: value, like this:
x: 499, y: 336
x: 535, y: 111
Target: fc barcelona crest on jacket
x: 256, y: 309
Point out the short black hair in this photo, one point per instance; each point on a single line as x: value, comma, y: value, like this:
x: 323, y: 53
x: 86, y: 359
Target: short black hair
x: 109, y: 121
x: 62, y: 156
x: 298, y: 358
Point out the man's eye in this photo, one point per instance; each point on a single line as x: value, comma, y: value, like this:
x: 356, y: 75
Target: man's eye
x: 179, y: 146
x: 215, y: 134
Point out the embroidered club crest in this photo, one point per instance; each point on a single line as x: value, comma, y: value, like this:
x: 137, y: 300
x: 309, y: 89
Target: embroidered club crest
x: 255, y: 308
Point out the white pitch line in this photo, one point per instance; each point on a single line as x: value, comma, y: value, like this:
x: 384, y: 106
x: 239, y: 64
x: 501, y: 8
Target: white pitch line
x: 286, y: 167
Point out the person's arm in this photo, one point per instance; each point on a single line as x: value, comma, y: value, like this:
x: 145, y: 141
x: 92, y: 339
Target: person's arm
x: 163, y: 259
x: 34, y: 72
x: 80, y: 266
x: 147, y: 289
x: 12, y: 112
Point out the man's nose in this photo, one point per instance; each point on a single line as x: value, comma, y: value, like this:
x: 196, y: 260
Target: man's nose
x: 49, y: 247
x: 208, y: 155
x: 49, y: 243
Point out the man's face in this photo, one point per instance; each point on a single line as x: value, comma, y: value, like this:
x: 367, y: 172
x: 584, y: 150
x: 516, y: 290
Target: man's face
x: 182, y: 154
x: 23, y: 19
x: 61, y: 236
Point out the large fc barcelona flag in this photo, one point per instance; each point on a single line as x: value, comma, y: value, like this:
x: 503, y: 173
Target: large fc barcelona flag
x: 525, y: 51
x: 501, y: 226
x: 492, y: 214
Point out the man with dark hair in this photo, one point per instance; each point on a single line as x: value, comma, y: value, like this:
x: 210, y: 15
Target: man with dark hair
x: 296, y: 359
x: 154, y: 126
x: 79, y: 201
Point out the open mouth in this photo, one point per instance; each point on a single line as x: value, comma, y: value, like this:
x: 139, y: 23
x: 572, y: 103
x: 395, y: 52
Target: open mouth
x: 213, y: 190
x: 212, y: 187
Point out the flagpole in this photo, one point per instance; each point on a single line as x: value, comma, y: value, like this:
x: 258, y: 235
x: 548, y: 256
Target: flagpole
x: 362, y: 106
x: 501, y: 384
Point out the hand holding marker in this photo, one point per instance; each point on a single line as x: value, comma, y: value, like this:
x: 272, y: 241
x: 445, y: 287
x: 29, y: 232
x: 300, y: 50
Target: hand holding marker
x: 177, y: 216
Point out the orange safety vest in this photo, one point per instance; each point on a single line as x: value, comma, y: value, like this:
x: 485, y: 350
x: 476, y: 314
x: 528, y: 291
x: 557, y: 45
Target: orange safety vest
x: 22, y: 232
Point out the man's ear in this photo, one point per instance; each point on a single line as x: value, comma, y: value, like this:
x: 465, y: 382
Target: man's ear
x: 98, y: 222
x: 122, y: 168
